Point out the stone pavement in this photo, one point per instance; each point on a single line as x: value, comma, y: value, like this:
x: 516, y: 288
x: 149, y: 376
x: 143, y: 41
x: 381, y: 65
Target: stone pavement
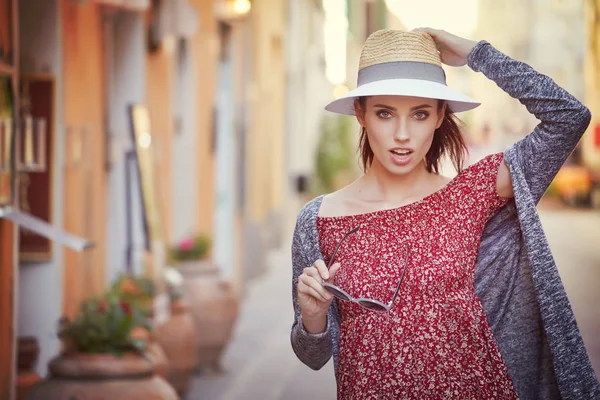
x: 574, y: 237
x: 259, y: 362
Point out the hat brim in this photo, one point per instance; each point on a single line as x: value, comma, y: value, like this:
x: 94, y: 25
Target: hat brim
x: 457, y: 102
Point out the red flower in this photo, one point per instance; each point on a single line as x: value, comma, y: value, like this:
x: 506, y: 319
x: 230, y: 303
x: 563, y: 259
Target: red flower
x: 126, y: 307
x: 102, y: 305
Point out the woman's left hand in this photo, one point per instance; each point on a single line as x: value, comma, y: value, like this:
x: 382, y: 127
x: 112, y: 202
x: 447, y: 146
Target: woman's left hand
x: 454, y: 50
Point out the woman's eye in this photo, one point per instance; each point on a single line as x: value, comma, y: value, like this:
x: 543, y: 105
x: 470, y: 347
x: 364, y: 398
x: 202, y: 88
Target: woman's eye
x: 384, y: 114
x: 421, y: 115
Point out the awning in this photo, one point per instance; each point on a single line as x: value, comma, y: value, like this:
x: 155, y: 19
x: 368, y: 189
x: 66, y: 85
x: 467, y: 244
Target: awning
x: 131, y: 5
x: 45, y: 229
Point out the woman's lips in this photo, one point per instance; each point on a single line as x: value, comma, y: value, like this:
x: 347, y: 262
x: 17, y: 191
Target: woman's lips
x: 400, y: 157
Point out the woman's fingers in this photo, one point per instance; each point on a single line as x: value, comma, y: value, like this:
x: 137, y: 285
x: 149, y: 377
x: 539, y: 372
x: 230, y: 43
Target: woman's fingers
x: 436, y: 34
x: 332, y: 271
x: 322, y: 269
x: 312, y: 292
x: 310, y: 282
x: 309, y: 285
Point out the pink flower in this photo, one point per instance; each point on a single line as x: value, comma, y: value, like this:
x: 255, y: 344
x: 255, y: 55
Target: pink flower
x: 186, y: 244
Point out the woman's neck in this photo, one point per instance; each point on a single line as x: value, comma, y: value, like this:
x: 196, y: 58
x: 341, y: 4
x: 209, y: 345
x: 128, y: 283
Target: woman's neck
x: 379, y: 184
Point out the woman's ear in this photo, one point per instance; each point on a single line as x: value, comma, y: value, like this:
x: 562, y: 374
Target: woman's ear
x: 441, y: 115
x: 360, y: 112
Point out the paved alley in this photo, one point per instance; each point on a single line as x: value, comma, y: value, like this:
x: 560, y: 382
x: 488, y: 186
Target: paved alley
x: 260, y: 363
x: 574, y: 237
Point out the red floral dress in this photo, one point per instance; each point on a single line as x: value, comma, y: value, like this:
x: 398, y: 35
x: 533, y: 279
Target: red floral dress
x: 435, y: 342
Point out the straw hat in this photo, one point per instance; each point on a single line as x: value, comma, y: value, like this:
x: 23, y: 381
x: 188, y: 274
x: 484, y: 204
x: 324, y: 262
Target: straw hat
x: 403, y: 64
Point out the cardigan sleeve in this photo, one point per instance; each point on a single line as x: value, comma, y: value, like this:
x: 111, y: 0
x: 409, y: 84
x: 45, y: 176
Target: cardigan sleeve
x: 314, y: 350
x: 563, y: 119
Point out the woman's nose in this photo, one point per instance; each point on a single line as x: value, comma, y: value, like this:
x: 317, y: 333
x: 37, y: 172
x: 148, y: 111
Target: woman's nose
x: 401, y: 134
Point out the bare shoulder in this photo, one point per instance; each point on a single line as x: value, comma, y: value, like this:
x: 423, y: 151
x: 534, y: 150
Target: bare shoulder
x: 353, y: 201
x: 345, y: 201
x: 334, y: 204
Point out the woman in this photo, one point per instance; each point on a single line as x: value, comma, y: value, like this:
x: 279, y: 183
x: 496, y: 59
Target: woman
x: 427, y: 288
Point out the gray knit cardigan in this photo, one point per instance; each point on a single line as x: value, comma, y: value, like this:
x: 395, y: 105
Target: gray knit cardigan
x: 516, y: 277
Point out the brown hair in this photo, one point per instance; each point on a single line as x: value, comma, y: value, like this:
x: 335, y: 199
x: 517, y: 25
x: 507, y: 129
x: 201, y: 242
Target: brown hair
x: 447, y: 139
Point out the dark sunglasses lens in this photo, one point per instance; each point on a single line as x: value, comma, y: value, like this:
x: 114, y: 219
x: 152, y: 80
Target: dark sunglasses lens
x: 337, y: 293
x: 372, y: 306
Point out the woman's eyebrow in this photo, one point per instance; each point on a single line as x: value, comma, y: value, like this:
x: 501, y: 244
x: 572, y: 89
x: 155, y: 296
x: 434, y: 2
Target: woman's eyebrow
x: 421, y: 106
x: 394, y: 108
x: 385, y: 106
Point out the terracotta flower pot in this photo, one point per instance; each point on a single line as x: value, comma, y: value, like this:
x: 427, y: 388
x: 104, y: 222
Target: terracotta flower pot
x: 102, y: 376
x: 28, y: 353
x: 214, y: 306
x: 179, y: 340
x: 197, y: 267
x: 156, y: 355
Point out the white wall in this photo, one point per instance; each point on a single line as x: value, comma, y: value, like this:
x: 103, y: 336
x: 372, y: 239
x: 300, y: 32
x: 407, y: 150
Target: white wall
x: 225, y: 169
x: 307, y: 92
x: 184, y: 174
x: 558, y: 42
x: 127, y: 82
x: 547, y: 34
x: 40, y: 284
x: 507, y: 26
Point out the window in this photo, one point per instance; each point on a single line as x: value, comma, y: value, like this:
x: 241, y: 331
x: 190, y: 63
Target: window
x: 6, y: 32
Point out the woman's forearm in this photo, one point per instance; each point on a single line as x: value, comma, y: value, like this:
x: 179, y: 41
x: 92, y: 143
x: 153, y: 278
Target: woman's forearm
x: 312, y: 344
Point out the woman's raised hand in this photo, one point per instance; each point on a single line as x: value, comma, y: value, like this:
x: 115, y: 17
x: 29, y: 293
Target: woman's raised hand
x: 314, y: 300
x: 454, y: 50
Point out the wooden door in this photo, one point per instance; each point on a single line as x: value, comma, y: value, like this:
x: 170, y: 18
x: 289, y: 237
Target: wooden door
x: 9, y: 56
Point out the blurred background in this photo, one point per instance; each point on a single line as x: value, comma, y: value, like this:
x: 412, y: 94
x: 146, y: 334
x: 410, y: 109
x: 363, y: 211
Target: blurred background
x: 154, y: 155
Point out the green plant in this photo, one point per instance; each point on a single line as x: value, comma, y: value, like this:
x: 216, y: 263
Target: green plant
x: 194, y: 248
x: 134, y: 287
x: 139, y: 291
x: 335, y: 152
x: 109, y: 324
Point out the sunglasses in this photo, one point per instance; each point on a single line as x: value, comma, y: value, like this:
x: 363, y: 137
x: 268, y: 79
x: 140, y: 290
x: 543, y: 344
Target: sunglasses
x: 369, y: 304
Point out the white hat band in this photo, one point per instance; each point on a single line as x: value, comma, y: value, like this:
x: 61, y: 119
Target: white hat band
x: 401, y: 70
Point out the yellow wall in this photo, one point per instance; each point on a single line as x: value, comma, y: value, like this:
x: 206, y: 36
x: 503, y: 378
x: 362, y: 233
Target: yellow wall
x: 239, y: 54
x: 84, y: 105
x: 267, y: 96
x: 591, y: 153
x: 160, y: 70
x: 204, y: 50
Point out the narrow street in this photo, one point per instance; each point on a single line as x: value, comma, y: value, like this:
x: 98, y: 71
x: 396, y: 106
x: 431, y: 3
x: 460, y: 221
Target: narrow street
x: 574, y: 237
x: 260, y: 363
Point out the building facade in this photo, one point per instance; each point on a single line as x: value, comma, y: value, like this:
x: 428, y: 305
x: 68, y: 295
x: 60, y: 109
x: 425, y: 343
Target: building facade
x: 548, y: 35
x: 207, y: 83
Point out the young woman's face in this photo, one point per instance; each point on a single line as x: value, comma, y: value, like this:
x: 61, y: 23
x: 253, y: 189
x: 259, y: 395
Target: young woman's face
x: 400, y: 129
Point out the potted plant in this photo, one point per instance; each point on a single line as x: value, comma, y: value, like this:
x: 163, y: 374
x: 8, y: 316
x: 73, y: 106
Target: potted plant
x: 103, y: 353
x: 28, y: 351
x: 213, y: 299
x: 178, y: 336
x: 137, y: 290
x: 140, y: 291
x: 193, y: 252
